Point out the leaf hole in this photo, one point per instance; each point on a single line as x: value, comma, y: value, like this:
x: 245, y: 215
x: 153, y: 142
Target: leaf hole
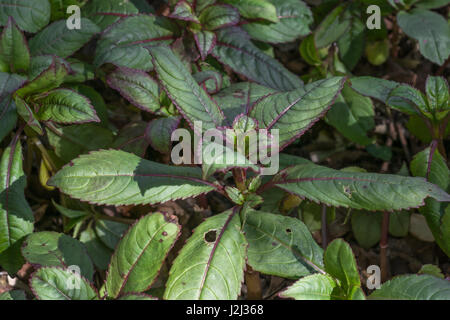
x: 164, y: 233
x: 288, y: 230
x: 210, y: 236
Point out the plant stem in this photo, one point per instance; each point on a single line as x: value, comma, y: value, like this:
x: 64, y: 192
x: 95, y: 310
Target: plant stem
x: 324, y: 227
x: 384, y: 263
x: 253, y: 282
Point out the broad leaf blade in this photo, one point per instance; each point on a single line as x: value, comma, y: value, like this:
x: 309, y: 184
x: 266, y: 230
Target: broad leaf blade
x: 137, y: 87
x: 8, y: 114
x: 313, y: 287
x: 256, y: 9
x: 211, y: 264
x: 294, y: 112
x: 192, y: 101
x: 234, y: 49
x: 31, y: 16
x: 14, y: 49
x: 105, y: 12
x: 413, y: 287
x: 159, y: 132
x: 16, y: 217
x: 59, y: 40
x: 437, y: 94
x: 358, y: 190
x: 52, y: 283
x: 140, y: 254
x: 117, y: 178
x: 218, y: 16
x: 13, y: 295
x: 53, y: 249
x: 65, y: 106
x: 281, y: 246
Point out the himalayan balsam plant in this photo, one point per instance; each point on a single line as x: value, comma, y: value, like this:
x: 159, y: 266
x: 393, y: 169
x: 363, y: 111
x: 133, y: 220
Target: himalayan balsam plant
x: 94, y: 206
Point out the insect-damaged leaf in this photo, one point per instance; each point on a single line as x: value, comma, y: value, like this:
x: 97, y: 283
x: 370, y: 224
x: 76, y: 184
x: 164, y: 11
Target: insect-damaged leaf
x: 117, y: 178
x: 211, y: 264
x: 140, y: 254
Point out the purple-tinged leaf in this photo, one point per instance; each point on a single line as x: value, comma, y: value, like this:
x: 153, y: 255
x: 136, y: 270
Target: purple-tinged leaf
x: 14, y: 50
x: 205, y: 40
x: 31, y: 16
x: 8, y: 114
x: 183, y: 11
x: 159, y: 132
x: 218, y: 16
x: 105, y: 12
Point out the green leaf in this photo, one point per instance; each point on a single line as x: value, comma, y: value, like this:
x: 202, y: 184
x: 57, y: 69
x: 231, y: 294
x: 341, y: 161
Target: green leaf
x: 105, y: 12
x: 59, y: 40
x: 192, y: 101
x: 136, y: 296
x: 53, y: 283
x: 53, y: 249
x: 81, y: 71
x: 110, y: 232
x: 28, y: 115
x: 373, y: 87
x: 341, y: 264
x: 71, y: 141
x: 430, y: 29
x: 294, y: 20
x: 234, y: 49
x: 358, y: 190
x: 366, y: 228
x: 294, y: 112
x: 432, y: 4
x: 99, y: 253
x: 184, y: 11
x: 351, y: 44
x: 438, y: 94
x: 38, y: 64
x: 281, y: 246
x: 313, y: 287
x: 123, y: 43
x: 431, y: 165
x: 14, y: 49
x: 30, y: 16
x: 137, y: 87
x: 239, y: 97
x: 255, y: 9
x: 205, y: 41
x: 332, y: 27
x: 431, y: 269
x: 211, y: 264
x: 352, y: 115
x: 159, y: 132
x: 11, y: 259
x: 218, y: 16
x: 13, y: 295
x: 65, y: 106
x: 70, y: 213
x: 8, y: 114
x: 140, y: 254
x: 134, y: 138
x: 117, y: 178
x: 49, y: 79
x: 399, y: 223
x: 309, y: 52
x: 16, y: 217
x: 413, y: 287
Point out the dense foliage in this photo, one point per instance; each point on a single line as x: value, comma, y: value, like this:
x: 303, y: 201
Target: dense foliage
x: 94, y: 206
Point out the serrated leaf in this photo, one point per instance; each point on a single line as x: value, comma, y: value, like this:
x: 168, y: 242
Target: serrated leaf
x: 59, y: 40
x: 192, y: 101
x: 14, y: 49
x: 28, y: 115
x: 281, y: 246
x: 294, y: 112
x: 16, y: 217
x: 255, y: 9
x: 96, y: 100
x: 234, y: 49
x: 351, y: 44
x: 358, y: 190
x: 340, y: 263
x: 53, y: 249
x: 430, y: 29
x: 8, y: 114
x: 205, y: 41
x: 211, y: 264
x: 117, y: 178
x: 219, y: 16
x: 183, y: 11
x: 31, y: 16
x: 105, y: 12
x: 52, y: 283
x: 217, y: 157
x: 38, y: 64
x: 137, y: 87
x: 123, y: 43
x: 313, y: 287
x: 437, y: 93
x: 65, y: 106
x: 140, y: 254
x: 413, y: 287
x: 373, y: 87
x: 335, y: 24
x: 352, y: 115
x: 294, y: 20
x: 239, y: 97
x: 159, y: 132
x: 49, y: 79
x: 71, y: 141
